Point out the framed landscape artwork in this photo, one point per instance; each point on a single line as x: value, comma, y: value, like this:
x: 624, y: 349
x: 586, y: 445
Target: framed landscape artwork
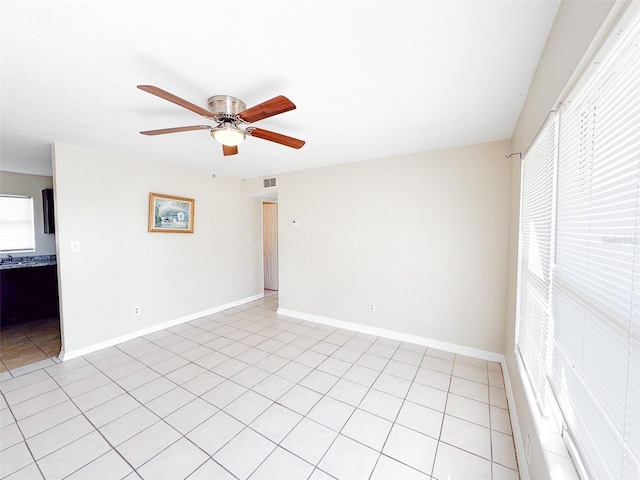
x: 170, y: 214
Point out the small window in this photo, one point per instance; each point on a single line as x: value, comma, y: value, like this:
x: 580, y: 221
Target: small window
x: 17, y: 233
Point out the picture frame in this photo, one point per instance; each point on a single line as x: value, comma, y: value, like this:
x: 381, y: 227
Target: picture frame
x: 171, y: 214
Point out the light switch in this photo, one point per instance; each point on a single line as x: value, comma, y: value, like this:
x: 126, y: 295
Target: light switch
x: 75, y: 245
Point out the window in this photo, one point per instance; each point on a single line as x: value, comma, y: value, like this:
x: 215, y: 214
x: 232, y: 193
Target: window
x: 579, y: 268
x: 16, y: 224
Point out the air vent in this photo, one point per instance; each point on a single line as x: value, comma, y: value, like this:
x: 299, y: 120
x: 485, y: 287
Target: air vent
x: 269, y: 182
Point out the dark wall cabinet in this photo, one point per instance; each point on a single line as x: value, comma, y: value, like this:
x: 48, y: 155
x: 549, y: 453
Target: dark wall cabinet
x: 28, y: 294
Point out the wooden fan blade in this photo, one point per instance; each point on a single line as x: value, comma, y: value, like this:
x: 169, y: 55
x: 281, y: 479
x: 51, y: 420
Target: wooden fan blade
x: 226, y: 150
x: 275, y: 137
x: 158, y: 92
x: 276, y: 105
x: 162, y: 131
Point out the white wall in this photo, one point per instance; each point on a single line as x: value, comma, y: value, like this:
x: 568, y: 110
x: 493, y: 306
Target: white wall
x: 32, y: 186
x: 575, y: 33
x: 422, y: 236
x: 102, y: 201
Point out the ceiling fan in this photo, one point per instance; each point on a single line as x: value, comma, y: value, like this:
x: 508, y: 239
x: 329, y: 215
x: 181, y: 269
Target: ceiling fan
x: 229, y: 113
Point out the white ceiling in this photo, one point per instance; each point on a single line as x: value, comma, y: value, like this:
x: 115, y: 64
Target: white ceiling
x: 370, y: 79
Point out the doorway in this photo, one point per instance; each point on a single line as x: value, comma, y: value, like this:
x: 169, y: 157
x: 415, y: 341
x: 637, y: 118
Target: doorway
x: 270, y: 244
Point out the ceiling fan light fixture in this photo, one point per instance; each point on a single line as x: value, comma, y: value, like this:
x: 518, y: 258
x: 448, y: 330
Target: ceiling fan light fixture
x: 228, y: 134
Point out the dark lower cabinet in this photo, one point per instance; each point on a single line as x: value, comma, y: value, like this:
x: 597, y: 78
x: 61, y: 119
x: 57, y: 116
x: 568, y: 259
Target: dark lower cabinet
x: 28, y: 294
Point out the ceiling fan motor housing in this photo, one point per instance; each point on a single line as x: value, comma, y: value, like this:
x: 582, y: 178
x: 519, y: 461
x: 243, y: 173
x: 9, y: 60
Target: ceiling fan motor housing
x: 225, y: 106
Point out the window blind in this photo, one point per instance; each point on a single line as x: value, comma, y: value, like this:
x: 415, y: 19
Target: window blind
x: 536, y: 244
x: 594, y: 371
x: 578, y: 329
x: 16, y: 223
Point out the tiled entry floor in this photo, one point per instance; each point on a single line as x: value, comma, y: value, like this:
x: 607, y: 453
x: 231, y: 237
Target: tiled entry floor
x: 30, y: 342
x: 249, y: 394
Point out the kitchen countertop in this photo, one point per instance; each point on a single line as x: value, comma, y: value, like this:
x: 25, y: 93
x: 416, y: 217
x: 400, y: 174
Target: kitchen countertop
x: 28, y: 262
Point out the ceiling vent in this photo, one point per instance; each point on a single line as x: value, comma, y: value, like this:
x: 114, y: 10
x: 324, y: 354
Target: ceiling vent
x: 269, y: 182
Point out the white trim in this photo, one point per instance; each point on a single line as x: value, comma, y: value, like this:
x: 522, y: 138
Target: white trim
x: 521, y: 453
x: 146, y: 331
x: 403, y: 337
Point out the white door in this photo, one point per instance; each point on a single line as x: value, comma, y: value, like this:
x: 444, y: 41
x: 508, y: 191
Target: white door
x: 270, y: 247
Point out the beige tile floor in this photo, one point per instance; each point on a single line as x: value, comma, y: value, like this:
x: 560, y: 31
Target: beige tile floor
x: 247, y: 393
x: 30, y: 342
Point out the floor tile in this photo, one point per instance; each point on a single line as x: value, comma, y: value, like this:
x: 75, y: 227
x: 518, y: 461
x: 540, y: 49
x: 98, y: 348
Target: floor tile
x: 244, y: 453
x: 400, y: 369
x: 392, y: 385
x: 148, y: 443
x: 250, y: 376
x: 334, y: 366
x: 128, y: 425
x: 348, y: 392
x: 9, y: 436
x: 152, y: 389
x: 111, y: 410
x: 14, y: 458
x: 170, y: 401
x: 273, y: 387
x: 319, y: 381
x: 215, y: 432
x: 46, y: 419
x: 381, y: 404
x: 421, y: 419
x: 276, y: 422
x: 29, y: 391
x: 248, y: 407
x: 503, y: 450
x: 349, y: 460
x: 176, y: 462
x: 466, y: 436
x: 74, y: 456
x: 210, y: 470
x: 300, y: 399
x: 109, y: 466
x: 59, y: 436
x: 203, y: 383
x: 309, y: 440
x: 500, y: 420
x: 39, y: 403
x: 191, y: 415
x: 30, y: 472
x: 96, y: 397
x: 433, y: 379
x: 283, y: 465
x: 503, y: 473
x: 455, y: 464
x: 468, y: 409
x: 223, y: 394
x: 361, y: 375
x: 411, y: 448
x: 408, y: 356
x: 470, y: 372
x: 388, y: 468
x: 186, y: 373
x: 294, y: 371
x: 331, y: 413
x: 467, y: 388
x: 367, y: 429
x: 427, y: 396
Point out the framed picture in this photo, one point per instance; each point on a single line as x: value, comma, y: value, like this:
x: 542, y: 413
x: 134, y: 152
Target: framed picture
x: 170, y: 214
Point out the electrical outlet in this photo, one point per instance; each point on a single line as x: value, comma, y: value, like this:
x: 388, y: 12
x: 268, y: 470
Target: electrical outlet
x: 136, y: 310
x: 372, y: 307
x: 527, y: 449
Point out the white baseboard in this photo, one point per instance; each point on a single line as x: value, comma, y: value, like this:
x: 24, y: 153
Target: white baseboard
x: 521, y: 453
x: 403, y: 337
x: 146, y: 331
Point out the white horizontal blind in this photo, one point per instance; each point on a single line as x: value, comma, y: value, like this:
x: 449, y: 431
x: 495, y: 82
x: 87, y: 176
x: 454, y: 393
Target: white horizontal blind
x: 16, y: 224
x: 536, y: 243
x: 595, y: 282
